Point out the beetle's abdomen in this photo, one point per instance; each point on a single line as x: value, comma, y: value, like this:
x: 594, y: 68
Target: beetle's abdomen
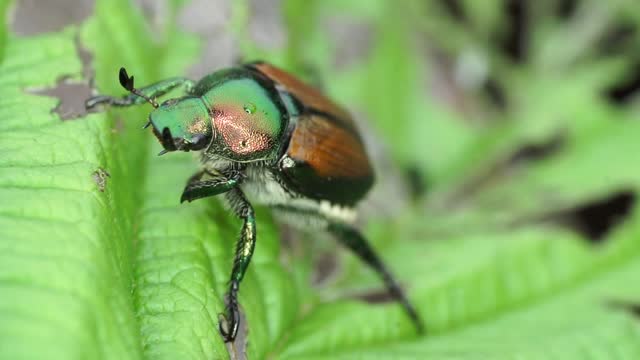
x: 326, y: 160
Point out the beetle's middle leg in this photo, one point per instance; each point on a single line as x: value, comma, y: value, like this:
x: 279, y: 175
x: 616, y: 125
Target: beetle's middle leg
x: 351, y: 238
x: 151, y: 91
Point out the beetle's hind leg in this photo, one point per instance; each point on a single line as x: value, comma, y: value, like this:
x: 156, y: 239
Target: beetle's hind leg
x: 353, y: 239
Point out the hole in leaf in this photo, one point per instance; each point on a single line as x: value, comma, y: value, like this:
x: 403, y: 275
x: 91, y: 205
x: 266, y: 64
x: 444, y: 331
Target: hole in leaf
x: 86, y: 57
x: 71, y: 95
x: 100, y: 176
x: 598, y: 217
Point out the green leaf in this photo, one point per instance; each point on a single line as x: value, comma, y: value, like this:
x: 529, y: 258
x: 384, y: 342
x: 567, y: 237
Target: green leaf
x: 4, y: 5
x: 98, y: 260
x: 530, y: 293
x: 67, y: 256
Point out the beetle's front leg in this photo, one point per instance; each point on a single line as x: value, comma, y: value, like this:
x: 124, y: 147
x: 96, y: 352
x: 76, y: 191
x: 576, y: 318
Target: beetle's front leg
x: 151, y: 91
x: 351, y: 238
x: 198, y: 189
x: 228, y: 325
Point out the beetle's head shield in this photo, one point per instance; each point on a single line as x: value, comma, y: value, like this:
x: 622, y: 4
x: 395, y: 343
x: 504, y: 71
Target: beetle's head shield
x: 247, y: 122
x: 182, y: 124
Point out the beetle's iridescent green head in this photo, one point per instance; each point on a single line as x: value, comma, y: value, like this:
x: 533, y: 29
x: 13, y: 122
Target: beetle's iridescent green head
x: 247, y: 122
x: 182, y: 124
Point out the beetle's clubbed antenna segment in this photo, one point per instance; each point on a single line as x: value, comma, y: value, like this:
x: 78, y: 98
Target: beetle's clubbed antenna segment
x: 127, y: 82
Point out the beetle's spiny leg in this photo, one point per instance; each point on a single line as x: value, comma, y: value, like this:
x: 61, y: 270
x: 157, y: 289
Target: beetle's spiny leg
x: 244, y: 251
x: 351, y: 238
x: 94, y: 101
x: 230, y: 321
x: 139, y: 96
x: 198, y: 189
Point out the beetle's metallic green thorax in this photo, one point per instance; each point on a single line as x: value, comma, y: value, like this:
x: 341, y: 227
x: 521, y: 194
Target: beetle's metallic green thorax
x: 249, y: 118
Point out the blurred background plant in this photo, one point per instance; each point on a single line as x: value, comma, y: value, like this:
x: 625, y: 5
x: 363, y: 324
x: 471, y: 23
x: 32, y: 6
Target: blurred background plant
x: 504, y: 132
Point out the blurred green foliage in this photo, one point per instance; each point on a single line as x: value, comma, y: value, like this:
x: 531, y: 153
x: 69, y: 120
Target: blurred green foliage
x: 522, y: 140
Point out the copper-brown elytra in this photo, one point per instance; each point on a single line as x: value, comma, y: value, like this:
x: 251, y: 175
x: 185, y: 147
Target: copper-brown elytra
x: 265, y: 137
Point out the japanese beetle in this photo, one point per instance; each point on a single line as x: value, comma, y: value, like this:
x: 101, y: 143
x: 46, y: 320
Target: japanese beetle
x: 265, y: 137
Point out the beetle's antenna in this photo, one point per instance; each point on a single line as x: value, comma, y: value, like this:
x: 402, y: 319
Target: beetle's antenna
x: 127, y: 83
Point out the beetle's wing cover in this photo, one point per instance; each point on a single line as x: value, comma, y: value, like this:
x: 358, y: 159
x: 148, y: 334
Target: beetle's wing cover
x: 326, y: 160
x: 308, y: 96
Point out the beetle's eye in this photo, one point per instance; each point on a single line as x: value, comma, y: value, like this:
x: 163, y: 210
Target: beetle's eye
x: 199, y: 141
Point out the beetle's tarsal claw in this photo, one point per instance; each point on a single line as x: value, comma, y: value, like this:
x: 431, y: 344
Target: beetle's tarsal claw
x: 147, y: 125
x: 164, y: 151
x: 228, y: 327
x: 223, y: 326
